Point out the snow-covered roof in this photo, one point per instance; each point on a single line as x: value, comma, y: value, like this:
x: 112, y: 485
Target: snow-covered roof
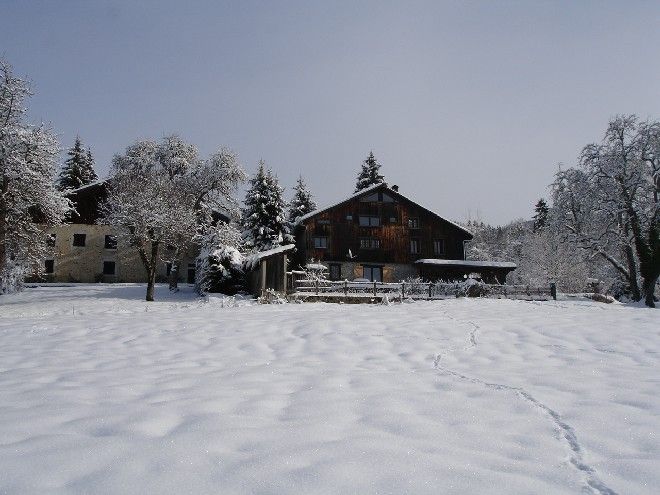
x: 255, y: 258
x: 100, y: 182
x: 468, y: 263
x: 368, y: 190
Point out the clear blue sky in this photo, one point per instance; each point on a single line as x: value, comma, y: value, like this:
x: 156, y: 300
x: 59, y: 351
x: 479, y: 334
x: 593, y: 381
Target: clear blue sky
x: 469, y: 106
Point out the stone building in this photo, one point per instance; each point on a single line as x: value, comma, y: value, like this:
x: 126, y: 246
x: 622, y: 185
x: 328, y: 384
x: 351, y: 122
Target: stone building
x: 84, y: 250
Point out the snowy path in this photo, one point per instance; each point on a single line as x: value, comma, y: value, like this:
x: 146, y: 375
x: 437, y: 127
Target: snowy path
x: 101, y: 392
x: 565, y: 430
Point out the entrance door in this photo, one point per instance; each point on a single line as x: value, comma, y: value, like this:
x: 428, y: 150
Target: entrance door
x: 191, y: 273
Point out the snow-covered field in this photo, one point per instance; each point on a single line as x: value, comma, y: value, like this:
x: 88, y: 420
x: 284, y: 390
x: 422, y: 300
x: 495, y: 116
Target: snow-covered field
x: 102, y: 392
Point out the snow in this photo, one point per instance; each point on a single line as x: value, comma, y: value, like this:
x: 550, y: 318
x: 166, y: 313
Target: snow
x: 102, y: 392
x: 477, y: 264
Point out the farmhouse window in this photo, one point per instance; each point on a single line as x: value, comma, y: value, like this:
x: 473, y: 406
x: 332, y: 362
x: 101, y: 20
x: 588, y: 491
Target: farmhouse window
x: 373, y: 273
x: 109, y: 268
x: 368, y: 221
x: 49, y: 266
x: 414, y: 246
x: 413, y: 223
x: 110, y: 242
x: 320, y: 242
x: 369, y: 243
x: 51, y: 240
x: 79, y: 240
x: 349, y: 218
x: 439, y: 246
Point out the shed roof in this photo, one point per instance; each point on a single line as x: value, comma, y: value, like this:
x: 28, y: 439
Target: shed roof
x: 468, y: 263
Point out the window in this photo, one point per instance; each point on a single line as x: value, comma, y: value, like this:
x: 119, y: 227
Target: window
x: 335, y: 271
x: 366, y: 221
x: 439, y: 246
x: 49, y: 266
x: 373, y: 273
x: 414, y: 246
x: 110, y: 242
x: 320, y: 242
x: 323, y: 221
x: 79, y: 240
x: 392, y: 219
x: 109, y: 268
x: 51, y: 240
x: 369, y: 243
x: 413, y: 223
x: 349, y: 218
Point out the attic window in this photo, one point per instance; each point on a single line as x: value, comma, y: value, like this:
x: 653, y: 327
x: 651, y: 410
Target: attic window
x: 320, y: 242
x: 323, y: 221
x: 413, y: 223
x: 366, y: 221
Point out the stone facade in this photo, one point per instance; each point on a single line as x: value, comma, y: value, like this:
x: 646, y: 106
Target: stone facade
x: 85, y: 253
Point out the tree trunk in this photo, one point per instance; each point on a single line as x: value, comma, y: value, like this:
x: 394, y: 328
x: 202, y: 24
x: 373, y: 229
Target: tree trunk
x: 632, y: 270
x: 150, y: 263
x: 648, y: 286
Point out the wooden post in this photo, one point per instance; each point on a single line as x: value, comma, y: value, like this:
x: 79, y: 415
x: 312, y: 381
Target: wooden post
x: 263, y: 267
x: 316, y: 285
x: 430, y: 289
x: 375, y: 288
x: 553, y: 290
x: 403, y: 290
x: 346, y: 288
x: 284, y: 287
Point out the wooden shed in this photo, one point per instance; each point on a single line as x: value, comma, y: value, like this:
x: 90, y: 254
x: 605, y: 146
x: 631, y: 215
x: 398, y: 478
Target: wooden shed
x: 267, y: 270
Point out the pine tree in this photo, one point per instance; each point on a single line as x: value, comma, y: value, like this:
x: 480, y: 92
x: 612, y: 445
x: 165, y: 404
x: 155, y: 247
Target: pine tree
x: 302, y: 202
x: 541, y: 215
x: 78, y: 170
x: 264, y: 222
x: 370, y: 174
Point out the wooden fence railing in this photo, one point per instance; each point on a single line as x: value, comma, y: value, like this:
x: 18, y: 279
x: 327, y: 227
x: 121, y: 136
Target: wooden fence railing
x: 420, y: 290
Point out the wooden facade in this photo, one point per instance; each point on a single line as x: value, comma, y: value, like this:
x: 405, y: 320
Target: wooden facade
x: 381, y: 228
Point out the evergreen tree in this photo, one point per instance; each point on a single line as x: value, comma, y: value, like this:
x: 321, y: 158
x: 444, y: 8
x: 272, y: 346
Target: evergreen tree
x: 264, y: 222
x: 88, y: 172
x: 302, y: 202
x: 541, y: 215
x: 370, y: 174
x: 78, y: 170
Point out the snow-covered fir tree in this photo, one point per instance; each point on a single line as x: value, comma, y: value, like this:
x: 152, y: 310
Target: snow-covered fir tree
x: 264, y: 219
x: 540, y: 215
x: 78, y: 169
x: 302, y: 202
x: 29, y: 201
x: 370, y: 174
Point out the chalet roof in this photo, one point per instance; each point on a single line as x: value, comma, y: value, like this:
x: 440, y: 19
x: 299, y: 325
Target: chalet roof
x: 468, y: 263
x: 368, y: 190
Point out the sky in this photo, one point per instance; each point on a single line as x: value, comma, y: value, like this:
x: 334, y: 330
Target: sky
x: 469, y: 106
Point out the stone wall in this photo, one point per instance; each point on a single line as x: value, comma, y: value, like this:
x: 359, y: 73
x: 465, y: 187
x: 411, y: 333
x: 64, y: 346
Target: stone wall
x: 85, y: 263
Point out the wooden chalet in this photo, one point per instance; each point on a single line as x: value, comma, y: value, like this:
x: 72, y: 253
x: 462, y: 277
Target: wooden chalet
x: 380, y: 235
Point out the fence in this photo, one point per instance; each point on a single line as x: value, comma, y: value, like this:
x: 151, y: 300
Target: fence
x: 419, y: 290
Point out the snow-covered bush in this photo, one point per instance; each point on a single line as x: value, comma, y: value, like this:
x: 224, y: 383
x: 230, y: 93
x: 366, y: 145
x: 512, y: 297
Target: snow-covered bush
x: 220, y: 262
x: 472, y: 288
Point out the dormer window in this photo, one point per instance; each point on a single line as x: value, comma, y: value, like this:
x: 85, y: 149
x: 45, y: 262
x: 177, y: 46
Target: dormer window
x: 413, y: 223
